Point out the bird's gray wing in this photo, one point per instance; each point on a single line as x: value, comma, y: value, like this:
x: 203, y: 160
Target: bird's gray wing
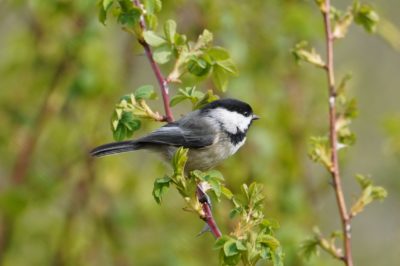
x: 184, y: 133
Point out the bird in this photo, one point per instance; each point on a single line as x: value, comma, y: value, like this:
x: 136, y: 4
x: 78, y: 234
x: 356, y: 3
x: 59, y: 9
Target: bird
x: 212, y: 134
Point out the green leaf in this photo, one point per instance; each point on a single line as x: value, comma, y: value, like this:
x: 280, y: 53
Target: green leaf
x: 162, y: 54
x: 319, y: 151
x: 269, y: 240
x: 220, y: 78
x: 346, y: 137
x: 124, y: 124
x: 204, y: 40
x: 336, y: 234
x: 215, y: 174
x: 230, y: 248
x: 102, y: 16
x: 179, y: 159
x: 351, y: 109
x: 309, y: 247
x: 177, y: 99
x: 126, y: 5
x: 277, y: 257
x: 365, y: 16
x: 161, y: 185
x: 107, y: 4
x: 215, y: 186
x: 342, y: 25
x: 220, y: 242
x: 152, y: 6
x: 145, y: 92
x: 218, y: 53
x: 363, y: 181
x: 120, y: 133
x: 129, y: 121
x: 231, y: 260
x: 254, y: 193
x: 207, y: 98
x: 180, y: 39
x: 369, y: 193
x: 321, y: 4
x: 151, y: 21
x: 104, y: 6
x: 302, y: 52
x: 127, y: 98
x: 188, y: 93
x: 170, y: 30
x: 129, y: 17
x: 153, y: 39
x: 228, y: 66
x: 378, y: 193
x: 234, y: 212
x: 240, y: 245
x: 226, y: 192
x: 198, y: 66
x: 342, y: 87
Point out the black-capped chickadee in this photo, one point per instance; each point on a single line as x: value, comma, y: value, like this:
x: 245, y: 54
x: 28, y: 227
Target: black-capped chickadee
x: 212, y: 134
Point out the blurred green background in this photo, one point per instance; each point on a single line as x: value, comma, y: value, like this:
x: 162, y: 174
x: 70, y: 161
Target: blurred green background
x: 61, y: 72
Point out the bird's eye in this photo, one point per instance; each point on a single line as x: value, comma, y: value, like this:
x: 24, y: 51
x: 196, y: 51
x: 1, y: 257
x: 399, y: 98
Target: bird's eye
x: 246, y: 113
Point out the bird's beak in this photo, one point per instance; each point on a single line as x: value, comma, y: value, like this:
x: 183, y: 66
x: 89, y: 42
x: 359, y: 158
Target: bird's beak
x: 255, y: 117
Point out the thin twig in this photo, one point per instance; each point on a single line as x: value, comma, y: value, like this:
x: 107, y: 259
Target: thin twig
x: 156, y: 69
x: 335, y: 172
x: 208, y: 217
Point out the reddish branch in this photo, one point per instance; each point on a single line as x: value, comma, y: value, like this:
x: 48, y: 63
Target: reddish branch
x: 335, y: 172
x: 208, y: 217
x: 160, y: 78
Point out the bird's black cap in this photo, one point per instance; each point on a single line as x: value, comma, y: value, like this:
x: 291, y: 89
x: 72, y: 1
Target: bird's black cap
x: 230, y: 105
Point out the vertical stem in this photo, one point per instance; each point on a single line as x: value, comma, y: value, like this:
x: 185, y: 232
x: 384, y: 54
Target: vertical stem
x: 335, y: 172
x: 156, y: 69
x: 208, y: 218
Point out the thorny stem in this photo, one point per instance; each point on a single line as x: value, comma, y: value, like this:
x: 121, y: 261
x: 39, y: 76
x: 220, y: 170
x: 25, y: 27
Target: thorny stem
x: 208, y: 217
x: 156, y: 69
x: 335, y: 172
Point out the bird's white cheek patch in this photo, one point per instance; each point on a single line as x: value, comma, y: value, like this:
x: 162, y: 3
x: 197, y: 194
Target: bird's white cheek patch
x: 231, y: 121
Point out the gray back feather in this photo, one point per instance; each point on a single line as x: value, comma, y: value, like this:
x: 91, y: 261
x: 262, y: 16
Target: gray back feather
x: 188, y: 132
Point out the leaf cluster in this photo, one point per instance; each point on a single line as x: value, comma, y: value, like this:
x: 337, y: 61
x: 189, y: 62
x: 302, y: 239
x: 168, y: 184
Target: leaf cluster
x: 252, y: 240
x: 200, y: 58
x: 303, y: 53
x: 197, y: 98
x: 310, y: 247
x: 124, y: 11
x: 187, y: 183
x: 369, y: 193
x: 128, y: 112
x: 362, y: 14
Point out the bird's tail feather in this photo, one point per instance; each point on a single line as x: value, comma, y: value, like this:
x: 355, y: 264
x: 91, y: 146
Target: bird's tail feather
x: 115, y: 147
